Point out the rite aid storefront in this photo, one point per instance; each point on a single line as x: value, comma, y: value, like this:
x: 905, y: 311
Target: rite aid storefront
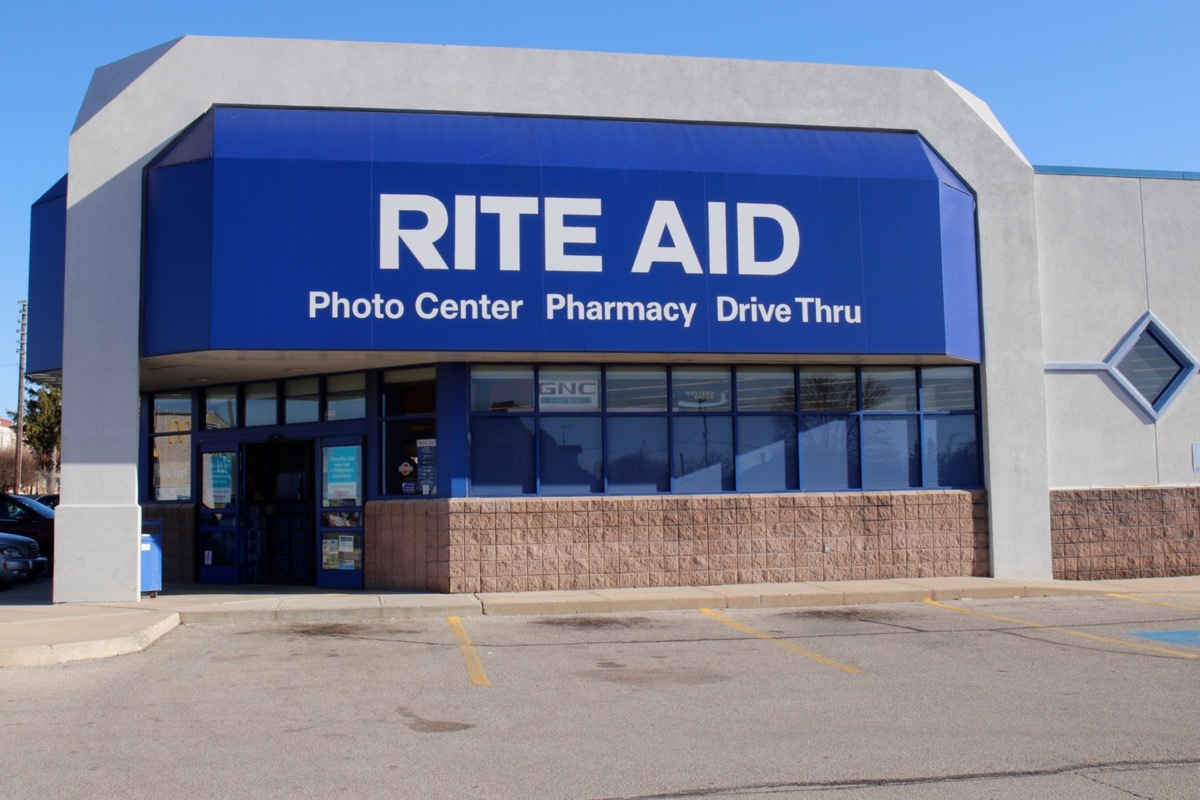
x: 666, y: 325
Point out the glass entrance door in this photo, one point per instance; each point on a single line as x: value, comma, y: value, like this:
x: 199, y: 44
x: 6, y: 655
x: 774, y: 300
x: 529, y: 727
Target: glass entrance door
x: 220, y: 540
x: 340, y: 517
x: 278, y: 541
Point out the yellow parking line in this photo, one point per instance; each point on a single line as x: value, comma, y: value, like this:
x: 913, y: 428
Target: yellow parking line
x: 1067, y: 631
x: 786, y: 645
x: 1156, y: 602
x: 470, y: 657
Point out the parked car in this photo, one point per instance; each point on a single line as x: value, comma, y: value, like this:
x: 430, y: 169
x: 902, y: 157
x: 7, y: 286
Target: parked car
x: 48, y: 500
x: 20, y: 560
x: 27, y: 517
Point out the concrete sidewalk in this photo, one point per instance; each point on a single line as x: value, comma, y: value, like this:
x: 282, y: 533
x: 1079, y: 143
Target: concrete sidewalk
x: 36, y: 632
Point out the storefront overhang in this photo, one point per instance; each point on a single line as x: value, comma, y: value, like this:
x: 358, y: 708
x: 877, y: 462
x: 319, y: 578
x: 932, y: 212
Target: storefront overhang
x: 282, y: 230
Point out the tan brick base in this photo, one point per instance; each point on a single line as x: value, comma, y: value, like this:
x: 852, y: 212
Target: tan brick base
x: 471, y: 545
x: 1125, y: 533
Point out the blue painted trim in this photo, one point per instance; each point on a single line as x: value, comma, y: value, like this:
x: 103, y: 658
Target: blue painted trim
x: 145, y: 491
x: 1102, y: 172
x: 453, y: 428
x: 373, y: 480
x: 1075, y: 366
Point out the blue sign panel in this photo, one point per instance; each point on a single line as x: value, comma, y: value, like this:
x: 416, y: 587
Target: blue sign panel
x: 47, y: 267
x: 332, y: 230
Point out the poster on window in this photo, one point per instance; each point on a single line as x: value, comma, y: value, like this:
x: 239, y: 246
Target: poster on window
x: 342, y: 475
x: 569, y: 390
x: 427, y: 465
x: 218, y: 479
x: 330, y: 555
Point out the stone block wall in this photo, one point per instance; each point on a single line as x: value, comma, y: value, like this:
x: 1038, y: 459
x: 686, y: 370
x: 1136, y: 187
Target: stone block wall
x: 526, y: 544
x: 179, y: 539
x: 1148, y: 532
x: 407, y: 545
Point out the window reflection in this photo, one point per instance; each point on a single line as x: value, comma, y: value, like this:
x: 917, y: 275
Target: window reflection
x: 502, y: 389
x: 700, y: 388
x: 889, y: 388
x: 220, y: 407
x: 828, y: 389
x: 637, y: 454
x: 766, y: 389
x: 702, y: 454
x: 766, y: 459
x: 571, y: 455
x: 636, y: 388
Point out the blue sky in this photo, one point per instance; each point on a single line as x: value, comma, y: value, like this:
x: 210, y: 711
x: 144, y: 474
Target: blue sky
x: 1078, y: 83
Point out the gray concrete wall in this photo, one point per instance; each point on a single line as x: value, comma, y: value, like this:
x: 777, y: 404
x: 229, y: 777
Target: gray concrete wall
x: 137, y: 105
x: 1110, y: 250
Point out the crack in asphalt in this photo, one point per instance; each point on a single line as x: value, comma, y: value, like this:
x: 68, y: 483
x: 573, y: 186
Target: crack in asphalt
x: 928, y: 780
x: 1121, y: 789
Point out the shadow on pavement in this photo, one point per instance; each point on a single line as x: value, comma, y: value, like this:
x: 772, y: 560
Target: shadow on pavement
x: 37, y: 593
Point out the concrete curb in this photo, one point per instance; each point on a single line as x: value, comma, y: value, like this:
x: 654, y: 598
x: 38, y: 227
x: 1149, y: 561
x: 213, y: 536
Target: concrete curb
x: 48, y: 654
x: 376, y: 608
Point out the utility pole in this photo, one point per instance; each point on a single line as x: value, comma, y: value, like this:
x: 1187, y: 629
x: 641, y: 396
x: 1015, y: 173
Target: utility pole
x: 20, y: 394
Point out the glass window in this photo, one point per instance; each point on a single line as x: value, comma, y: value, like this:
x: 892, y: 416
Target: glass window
x: 346, y: 396
x: 637, y: 453
x: 828, y: 389
x: 829, y: 452
x: 172, y: 412
x: 781, y: 428
x: 889, y: 388
x: 636, y: 388
x: 502, y: 455
x: 501, y: 389
x: 403, y: 441
x: 261, y: 407
x: 700, y: 388
x: 1148, y: 365
x: 172, y: 467
x: 571, y: 453
x: 766, y: 389
x: 951, y: 455
x: 341, y: 519
x: 300, y: 400
x: 702, y: 455
x: 891, y: 452
x: 220, y: 407
x: 948, y: 388
x: 766, y: 460
x: 409, y: 391
x: 569, y: 389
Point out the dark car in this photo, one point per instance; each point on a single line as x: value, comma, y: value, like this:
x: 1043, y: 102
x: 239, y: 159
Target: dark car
x: 48, y: 500
x: 27, y: 517
x: 20, y: 560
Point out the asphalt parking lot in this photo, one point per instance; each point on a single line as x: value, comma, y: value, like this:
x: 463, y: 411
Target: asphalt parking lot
x: 1059, y: 697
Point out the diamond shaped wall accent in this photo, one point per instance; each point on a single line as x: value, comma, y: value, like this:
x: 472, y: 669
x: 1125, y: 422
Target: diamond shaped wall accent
x: 1151, y: 365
